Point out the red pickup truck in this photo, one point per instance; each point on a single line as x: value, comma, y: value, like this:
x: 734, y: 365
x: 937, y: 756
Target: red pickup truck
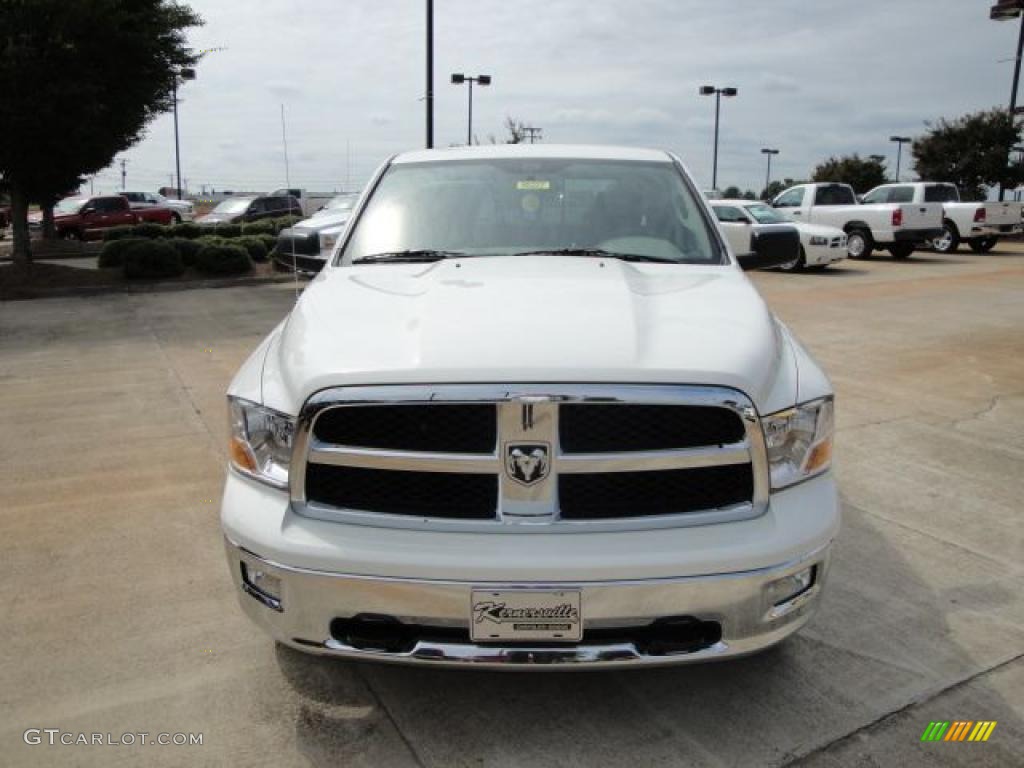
x: 85, y: 218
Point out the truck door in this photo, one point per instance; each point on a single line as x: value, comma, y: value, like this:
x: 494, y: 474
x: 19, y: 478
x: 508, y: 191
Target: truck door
x: 790, y: 203
x: 735, y: 225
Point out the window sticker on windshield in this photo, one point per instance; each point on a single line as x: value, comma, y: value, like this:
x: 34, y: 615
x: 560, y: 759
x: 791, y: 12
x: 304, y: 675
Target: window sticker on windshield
x: 530, y: 184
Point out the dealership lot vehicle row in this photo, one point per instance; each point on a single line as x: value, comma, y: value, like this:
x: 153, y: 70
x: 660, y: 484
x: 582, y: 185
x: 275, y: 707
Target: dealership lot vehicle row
x: 107, y: 403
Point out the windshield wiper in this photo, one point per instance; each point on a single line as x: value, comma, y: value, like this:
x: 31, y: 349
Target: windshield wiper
x: 420, y: 255
x: 599, y: 253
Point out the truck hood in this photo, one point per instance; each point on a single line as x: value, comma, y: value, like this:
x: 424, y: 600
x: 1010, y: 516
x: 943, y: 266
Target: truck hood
x: 528, y: 319
x: 324, y: 220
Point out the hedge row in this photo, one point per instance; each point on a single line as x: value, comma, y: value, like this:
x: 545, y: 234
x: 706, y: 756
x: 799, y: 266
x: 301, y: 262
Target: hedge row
x: 266, y: 228
x: 140, y: 257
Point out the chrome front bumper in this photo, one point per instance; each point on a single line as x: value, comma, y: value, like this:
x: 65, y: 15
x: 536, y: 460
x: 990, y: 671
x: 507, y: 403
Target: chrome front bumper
x: 741, y: 603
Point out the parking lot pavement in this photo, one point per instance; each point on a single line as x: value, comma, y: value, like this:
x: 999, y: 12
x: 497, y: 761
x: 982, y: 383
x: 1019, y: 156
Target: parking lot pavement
x: 120, y: 615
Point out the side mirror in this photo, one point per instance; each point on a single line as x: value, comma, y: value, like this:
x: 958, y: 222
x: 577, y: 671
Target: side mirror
x: 86, y: 212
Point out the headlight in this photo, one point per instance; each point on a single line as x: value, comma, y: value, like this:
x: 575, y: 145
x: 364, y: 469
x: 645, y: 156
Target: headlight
x: 328, y: 240
x: 819, y: 240
x: 799, y: 442
x: 261, y: 442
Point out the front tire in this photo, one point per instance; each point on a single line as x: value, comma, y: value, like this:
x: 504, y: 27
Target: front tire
x: 69, y: 234
x: 949, y: 240
x: 175, y: 218
x: 982, y: 244
x: 859, y: 244
x: 901, y: 250
x: 797, y: 265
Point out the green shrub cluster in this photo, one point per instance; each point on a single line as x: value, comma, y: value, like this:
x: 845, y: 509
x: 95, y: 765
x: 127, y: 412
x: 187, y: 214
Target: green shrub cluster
x: 113, y: 251
x: 187, y: 249
x: 223, y: 259
x: 151, y: 259
x: 186, y: 229
x: 254, y: 245
x: 265, y: 229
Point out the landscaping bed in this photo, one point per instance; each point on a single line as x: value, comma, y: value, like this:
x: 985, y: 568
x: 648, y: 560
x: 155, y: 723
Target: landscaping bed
x: 45, y: 280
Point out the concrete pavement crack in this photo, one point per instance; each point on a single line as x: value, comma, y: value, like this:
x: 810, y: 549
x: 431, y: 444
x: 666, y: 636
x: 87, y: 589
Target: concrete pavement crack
x: 391, y: 718
x: 924, y: 698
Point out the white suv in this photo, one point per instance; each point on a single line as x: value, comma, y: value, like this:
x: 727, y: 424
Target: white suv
x: 531, y: 413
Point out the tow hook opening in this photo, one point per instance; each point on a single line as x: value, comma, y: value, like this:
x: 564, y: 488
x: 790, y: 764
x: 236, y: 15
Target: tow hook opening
x: 373, y: 632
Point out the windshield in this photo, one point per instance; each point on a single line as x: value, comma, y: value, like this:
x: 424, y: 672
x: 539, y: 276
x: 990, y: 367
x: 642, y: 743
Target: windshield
x: 766, y: 215
x: 232, y: 206
x: 507, y: 206
x: 70, y: 205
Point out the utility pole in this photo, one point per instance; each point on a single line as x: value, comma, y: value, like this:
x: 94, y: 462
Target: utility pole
x: 430, y: 74
x: 124, y: 172
x: 532, y: 133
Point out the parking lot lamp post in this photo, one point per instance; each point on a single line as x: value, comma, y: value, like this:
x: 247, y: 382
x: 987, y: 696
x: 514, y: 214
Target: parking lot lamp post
x: 900, y: 141
x: 185, y: 73
x: 459, y: 79
x: 708, y: 90
x: 768, y: 172
x: 1007, y: 10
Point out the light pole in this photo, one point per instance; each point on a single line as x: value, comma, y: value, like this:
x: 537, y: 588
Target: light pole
x: 707, y: 90
x: 900, y: 141
x: 185, y: 73
x: 459, y: 79
x: 1006, y: 10
x: 768, y: 173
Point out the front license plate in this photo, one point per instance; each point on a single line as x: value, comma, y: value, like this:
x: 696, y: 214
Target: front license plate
x: 525, y: 615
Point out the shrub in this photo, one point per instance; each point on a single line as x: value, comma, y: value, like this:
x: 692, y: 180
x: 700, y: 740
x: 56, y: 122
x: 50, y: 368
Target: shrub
x: 152, y: 259
x: 113, y: 251
x: 254, y: 245
x: 227, y: 230
x: 283, y: 222
x: 117, y: 233
x: 269, y: 242
x: 149, y: 229
x: 217, y: 259
x: 261, y: 227
x: 187, y: 229
x: 187, y: 249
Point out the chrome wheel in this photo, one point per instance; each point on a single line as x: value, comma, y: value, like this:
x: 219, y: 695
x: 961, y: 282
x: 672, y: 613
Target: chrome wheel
x: 944, y: 243
x: 855, y: 245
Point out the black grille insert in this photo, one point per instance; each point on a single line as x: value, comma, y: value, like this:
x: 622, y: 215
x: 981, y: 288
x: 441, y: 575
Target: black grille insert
x: 614, y: 427
x: 637, y: 494
x: 426, y: 494
x: 441, y: 427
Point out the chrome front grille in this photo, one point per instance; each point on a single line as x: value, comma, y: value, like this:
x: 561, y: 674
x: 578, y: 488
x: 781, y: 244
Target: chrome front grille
x: 529, y: 457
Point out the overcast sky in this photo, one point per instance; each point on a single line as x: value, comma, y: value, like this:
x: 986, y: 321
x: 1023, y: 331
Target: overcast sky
x: 815, y: 78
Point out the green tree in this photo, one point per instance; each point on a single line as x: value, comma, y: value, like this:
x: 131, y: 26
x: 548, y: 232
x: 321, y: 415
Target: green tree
x: 859, y: 172
x: 777, y: 186
x: 749, y: 195
x: 971, y: 151
x: 731, y: 193
x: 81, y: 80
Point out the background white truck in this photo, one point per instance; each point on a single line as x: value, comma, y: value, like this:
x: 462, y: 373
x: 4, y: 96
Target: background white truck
x: 979, y: 224
x: 897, y: 227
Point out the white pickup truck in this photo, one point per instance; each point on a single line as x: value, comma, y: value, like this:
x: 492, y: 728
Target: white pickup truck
x: 531, y: 413
x: 897, y: 227
x: 979, y: 224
